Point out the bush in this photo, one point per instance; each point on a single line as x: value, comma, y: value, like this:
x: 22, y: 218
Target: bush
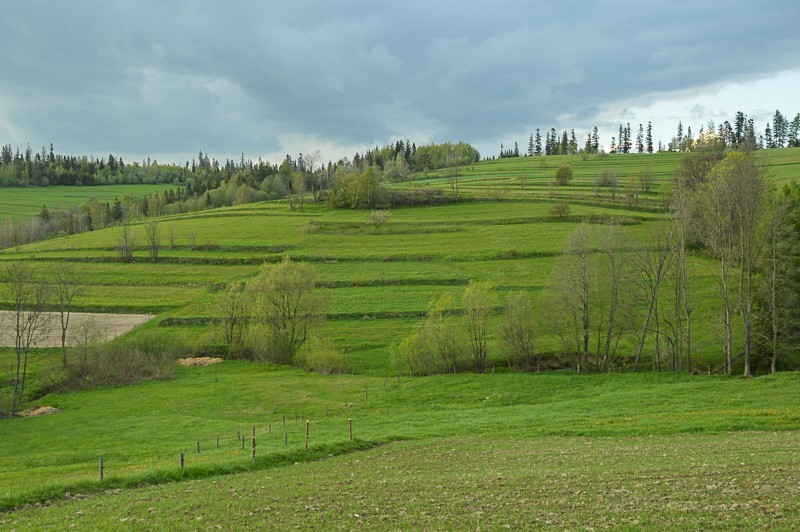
x: 563, y: 175
x: 319, y: 355
x: 560, y: 210
x: 147, y: 356
x: 606, y: 179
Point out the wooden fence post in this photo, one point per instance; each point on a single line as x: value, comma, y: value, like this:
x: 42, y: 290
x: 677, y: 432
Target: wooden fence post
x: 198, y: 446
x: 101, y: 468
x: 181, y: 460
x: 350, y: 424
x: 254, y: 447
x: 307, y: 423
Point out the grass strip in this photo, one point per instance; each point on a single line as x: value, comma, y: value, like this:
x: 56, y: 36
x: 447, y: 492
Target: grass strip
x: 155, y: 477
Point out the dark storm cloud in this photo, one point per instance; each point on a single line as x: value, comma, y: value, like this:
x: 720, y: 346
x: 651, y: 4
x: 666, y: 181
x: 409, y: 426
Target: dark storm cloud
x: 139, y: 78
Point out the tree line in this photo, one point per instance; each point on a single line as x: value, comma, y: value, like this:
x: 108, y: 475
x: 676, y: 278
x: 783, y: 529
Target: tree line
x: 46, y: 167
x: 740, y: 133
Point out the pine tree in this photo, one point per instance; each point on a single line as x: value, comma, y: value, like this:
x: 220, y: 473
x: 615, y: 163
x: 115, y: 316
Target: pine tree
x: 768, y: 142
x: 794, y: 132
x: 537, y: 143
x: 595, y: 140
x: 779, y: 130
x: 738, y: 128
x: 640, y: 140
x: 628, y: 138
x: 116, y: 211
x: 530, y: 145
x: 649, y: 137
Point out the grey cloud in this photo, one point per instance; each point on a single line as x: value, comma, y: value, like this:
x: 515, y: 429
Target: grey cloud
x: 144, y: 78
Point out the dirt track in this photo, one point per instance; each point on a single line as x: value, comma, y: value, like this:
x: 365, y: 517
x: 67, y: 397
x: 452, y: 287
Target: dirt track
x: 107, y: 326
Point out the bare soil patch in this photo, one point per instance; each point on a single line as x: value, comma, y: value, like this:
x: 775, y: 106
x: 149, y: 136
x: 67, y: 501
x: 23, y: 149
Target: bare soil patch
x: 107, y: 326
x: 38, y: 411
x: 199, y: 361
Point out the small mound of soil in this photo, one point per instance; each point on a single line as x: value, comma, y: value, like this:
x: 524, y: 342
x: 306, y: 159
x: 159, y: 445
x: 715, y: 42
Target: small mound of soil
x: 38, y: 411
x: 199, y: 361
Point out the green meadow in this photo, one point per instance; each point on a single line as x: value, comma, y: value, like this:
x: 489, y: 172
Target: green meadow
x: 524, y: 450
x: 24, y: 202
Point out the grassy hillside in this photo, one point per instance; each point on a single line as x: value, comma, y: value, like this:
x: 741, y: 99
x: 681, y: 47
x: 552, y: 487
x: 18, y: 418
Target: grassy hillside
x: 23, y: 202
x: 525, y: 450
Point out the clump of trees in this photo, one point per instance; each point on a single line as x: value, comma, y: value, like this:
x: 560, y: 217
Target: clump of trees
x: 453, y: 339
x: 607, y: 289
x: 274, y: 318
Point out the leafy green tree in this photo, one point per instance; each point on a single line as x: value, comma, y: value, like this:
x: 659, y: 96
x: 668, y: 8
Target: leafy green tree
x: 288, y: 304
x: 564, y: 175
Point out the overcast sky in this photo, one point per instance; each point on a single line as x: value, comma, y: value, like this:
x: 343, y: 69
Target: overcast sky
x: 166, y: 79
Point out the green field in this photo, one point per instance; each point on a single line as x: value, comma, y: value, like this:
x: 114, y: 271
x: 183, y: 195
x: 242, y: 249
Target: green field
x: 549, y: 450
x: 449, y: 451
x: 24, y: 202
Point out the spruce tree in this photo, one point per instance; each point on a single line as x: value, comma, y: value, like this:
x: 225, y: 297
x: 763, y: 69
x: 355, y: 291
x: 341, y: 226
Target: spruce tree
x: 649, y: 137
x: 640, y: 140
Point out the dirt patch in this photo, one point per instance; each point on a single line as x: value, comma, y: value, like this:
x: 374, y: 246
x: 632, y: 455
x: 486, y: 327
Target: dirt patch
x: 199, y: 361
x: 101, y: 326
x: 38, y: 411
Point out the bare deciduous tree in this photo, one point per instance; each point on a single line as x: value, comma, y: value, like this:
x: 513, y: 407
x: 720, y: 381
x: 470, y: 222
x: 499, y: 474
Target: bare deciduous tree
x: 235, y: 305
x: 477, y: 309
x: 172, y: 236
x: 152, y: 237
x: 27, y: 299
x: 610, y: 296
x: 126, y: 243
x: 652, y: 263
x: 517, y: 330
x: 378, y: 217
x: 86, y: 333
x: 66, y: 284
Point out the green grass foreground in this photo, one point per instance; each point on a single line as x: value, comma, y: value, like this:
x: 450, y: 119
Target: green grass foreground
x: 540, y: 432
